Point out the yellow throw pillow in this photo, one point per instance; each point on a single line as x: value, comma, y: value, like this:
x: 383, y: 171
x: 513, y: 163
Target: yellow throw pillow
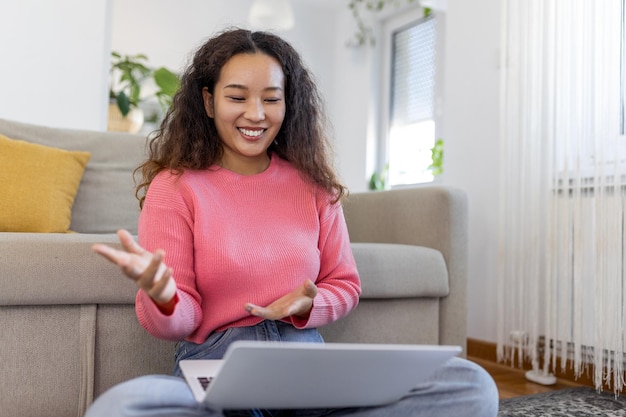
x: 38, y: 185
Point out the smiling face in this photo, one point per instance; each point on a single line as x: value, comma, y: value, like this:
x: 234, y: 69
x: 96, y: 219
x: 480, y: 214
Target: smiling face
x: 248, y: 107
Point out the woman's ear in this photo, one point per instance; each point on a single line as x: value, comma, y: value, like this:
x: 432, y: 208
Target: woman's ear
x: 208, y: 102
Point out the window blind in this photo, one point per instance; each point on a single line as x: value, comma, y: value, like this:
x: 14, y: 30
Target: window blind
x: 413, y: 72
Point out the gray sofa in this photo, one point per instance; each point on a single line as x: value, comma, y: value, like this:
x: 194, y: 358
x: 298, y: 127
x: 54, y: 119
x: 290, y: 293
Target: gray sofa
x: 67, y: 325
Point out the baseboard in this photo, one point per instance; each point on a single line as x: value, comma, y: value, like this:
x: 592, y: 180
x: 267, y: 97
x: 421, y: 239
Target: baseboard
x: 487, y: 351
x: 482, y: 350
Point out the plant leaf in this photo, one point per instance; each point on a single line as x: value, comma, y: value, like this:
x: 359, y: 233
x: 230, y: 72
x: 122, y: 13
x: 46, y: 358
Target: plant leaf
x: 166, y: 80
x: 123, y: 103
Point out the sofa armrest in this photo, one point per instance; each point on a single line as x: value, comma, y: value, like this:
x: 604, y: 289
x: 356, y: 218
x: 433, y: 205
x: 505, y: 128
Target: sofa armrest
x: 431, y: 216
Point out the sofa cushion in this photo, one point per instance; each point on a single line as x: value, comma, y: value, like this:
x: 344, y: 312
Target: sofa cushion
x: 105, y: 201
x: 417, y: 271
x: 39, y: 184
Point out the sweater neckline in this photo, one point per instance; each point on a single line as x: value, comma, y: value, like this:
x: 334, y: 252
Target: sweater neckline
x: 225, y: 171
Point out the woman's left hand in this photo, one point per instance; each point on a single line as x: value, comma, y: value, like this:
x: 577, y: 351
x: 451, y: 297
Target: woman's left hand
x: 297, y: 303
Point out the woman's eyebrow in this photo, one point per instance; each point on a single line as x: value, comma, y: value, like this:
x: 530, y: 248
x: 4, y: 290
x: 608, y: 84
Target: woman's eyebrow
x: 238, y: 86
x: 243, y: 87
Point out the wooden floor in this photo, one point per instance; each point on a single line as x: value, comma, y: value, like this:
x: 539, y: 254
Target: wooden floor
x: 511, y: 382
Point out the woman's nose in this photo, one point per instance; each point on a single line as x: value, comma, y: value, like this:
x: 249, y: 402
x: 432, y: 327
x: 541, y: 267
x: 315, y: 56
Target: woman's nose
x: 255, y: 111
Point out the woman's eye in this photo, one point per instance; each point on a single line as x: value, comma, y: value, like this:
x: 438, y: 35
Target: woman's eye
x: 272, y: 100
x: 236, y: 98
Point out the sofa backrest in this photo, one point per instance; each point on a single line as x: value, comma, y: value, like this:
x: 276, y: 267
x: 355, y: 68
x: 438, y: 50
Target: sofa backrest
x: 105, y: 201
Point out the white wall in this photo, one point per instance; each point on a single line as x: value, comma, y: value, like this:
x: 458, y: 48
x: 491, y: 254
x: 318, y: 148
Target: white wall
x: 352, y: 106
x: 471, y: 101
x: 54, y: 62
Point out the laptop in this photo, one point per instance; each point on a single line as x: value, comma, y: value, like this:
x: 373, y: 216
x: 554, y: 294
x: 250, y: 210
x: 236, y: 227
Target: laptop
x: 295, y: 375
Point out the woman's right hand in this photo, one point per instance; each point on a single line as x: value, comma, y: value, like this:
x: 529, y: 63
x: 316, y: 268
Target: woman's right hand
x: 143, y: 267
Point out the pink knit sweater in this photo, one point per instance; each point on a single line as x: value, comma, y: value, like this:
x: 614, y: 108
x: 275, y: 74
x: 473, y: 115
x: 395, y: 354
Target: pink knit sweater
x: 232, y: 239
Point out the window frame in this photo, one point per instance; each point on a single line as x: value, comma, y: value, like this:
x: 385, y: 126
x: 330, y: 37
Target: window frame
x: 388, y: 27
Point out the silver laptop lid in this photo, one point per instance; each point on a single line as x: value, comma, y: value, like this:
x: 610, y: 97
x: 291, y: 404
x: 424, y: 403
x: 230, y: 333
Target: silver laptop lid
x: 258, y: 374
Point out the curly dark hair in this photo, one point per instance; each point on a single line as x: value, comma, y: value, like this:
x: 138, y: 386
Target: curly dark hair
x: 188, y: 139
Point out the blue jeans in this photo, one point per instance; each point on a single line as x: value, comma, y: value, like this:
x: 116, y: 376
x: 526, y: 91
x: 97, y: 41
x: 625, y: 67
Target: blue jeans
x: 459, y: 388
x: 214, y: 347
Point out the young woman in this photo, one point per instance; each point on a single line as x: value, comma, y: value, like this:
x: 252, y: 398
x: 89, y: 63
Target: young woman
x: 242, y: 235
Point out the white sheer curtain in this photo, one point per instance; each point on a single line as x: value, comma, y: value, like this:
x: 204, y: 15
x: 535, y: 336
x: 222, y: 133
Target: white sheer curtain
x: 562, y: 245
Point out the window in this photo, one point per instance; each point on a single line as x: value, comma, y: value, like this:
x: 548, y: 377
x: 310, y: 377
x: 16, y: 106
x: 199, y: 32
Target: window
x: 408, y: 119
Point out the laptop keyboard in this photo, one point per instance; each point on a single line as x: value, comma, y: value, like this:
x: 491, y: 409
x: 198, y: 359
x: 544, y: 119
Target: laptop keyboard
x: 204, y: 381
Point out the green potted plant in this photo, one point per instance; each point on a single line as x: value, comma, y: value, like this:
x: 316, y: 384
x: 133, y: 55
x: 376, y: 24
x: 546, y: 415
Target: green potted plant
x: 129, y: 73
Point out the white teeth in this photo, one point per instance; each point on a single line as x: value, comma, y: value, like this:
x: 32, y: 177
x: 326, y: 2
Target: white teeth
x: 254, y: 133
